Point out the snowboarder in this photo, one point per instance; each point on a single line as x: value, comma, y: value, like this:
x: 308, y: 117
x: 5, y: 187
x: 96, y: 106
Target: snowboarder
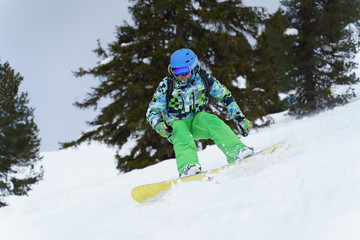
x: 181, y: 118
x: 291, y: 101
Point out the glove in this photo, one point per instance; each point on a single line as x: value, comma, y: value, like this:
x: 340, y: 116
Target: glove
x: 244, y: 125
x: 164, y: 129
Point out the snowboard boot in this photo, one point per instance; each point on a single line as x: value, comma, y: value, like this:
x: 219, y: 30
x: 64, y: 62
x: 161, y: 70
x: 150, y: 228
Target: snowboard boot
x: 191, y: 170
x: 245, y: 152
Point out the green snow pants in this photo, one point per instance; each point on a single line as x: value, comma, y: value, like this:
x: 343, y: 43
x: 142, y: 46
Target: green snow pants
x: 202, y: 126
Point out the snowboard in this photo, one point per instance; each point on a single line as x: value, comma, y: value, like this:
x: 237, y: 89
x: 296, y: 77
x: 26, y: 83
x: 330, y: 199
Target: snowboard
x: 145, y: 192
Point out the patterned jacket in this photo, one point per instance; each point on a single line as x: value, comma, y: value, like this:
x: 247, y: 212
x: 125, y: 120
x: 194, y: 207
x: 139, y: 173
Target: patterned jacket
x: 188, y: 99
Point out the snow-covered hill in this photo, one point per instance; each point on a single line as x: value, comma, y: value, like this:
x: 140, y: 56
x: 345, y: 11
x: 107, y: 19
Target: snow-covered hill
x: 309, y: 191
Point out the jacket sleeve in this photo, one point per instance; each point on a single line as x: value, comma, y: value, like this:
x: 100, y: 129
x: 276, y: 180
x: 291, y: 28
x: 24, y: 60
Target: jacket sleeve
x: 221, y: 93
x: 157, y: 107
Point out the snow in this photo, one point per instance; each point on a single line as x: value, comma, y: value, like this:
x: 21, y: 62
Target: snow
x: 107, y: 60
x: 291, y: 31
x: 309, y: 191
x: 240, y: 82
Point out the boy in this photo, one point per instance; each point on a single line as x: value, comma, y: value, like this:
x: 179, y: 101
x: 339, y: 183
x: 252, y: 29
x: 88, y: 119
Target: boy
x: 182, y: 118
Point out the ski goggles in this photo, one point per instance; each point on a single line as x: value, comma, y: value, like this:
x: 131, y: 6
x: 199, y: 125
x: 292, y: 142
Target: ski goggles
x: 183, y: 71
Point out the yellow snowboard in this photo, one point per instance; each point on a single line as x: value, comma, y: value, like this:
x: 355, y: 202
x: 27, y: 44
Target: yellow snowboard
x: 145, y: 192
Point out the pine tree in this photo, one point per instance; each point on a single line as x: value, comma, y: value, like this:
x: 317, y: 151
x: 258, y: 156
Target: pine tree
x: 321, y: 56
x: 270, y: 59
x: 19, y: 143
x: 137, y: 61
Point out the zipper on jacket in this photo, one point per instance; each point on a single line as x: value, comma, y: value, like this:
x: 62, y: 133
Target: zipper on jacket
x: 194, y: 101
x: 183, y: 102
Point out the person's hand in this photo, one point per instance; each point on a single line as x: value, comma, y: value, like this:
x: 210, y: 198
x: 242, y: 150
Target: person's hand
x: 164, y: 129
x: 244, y: 125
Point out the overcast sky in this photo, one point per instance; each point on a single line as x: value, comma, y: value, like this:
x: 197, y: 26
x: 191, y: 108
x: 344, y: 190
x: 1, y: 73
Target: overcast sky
x: 46, y: 40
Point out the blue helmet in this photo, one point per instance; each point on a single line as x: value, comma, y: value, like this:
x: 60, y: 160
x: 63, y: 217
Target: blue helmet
x: 182, y: 58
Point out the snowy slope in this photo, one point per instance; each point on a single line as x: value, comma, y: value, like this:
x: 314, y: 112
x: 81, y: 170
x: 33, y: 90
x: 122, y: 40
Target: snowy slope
x: 310, y: 191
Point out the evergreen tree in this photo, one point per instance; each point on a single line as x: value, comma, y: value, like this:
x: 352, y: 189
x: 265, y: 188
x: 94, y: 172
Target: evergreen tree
x: 138, y: 60
x: 321, y: 56
x: 19, y: 143
x: 270, y: 59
